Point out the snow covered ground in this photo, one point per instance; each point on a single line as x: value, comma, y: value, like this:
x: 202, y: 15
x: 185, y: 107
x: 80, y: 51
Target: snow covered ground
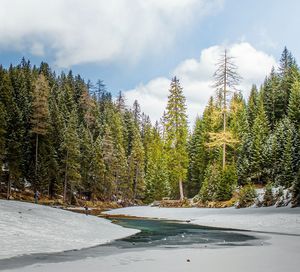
x: 282, y: 255
x: 279, y: 253
x: 28, y: 228
x: 270, y: 219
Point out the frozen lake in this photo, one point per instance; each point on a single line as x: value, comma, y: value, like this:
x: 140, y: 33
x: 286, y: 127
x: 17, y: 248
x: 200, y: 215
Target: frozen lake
x: 154, y: 234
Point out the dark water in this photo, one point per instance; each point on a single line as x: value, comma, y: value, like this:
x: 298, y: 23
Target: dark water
x: 163, y: 233
x: 154, y: 234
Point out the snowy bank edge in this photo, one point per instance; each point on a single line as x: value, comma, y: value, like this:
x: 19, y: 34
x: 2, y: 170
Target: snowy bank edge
x: 36, y: 239
x: 266, y: 219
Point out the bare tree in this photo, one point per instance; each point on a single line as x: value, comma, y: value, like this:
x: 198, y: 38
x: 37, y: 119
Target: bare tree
x: 226, y: 79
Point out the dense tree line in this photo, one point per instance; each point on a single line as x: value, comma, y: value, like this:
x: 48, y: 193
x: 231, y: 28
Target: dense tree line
x: 64, y: 136
x: 266, y: 133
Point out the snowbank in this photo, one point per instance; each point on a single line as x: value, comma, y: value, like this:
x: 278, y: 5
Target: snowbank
x: 28, y: 228
x: 282, y: 255
x: 270, y: 219
x: 279, y: 253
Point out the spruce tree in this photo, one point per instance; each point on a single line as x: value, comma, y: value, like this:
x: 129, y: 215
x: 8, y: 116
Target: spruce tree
x: 14, y: 132
x: 121, y: 166
x: 273, y: 98
x: 294, y: 108
x: 97, y: 171
x: 3, y: 118
x: 197, y: 159
x: 287, y: 72
x: 87, y: 150
x: 136, y: 110
x: 136, y: 166
x: 156, y: 178
x: 260, y: 132
x: 110, y: 161
x: 286, y: 156
x: 176, y: 138
x: 252, y: 105
x: 146, y: 134
x: 296, y: 190
x: 71, y: 150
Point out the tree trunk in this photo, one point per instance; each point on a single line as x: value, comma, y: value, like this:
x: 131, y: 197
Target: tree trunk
x: 224, y: 109
x: 65, y: 181
x: 224, y: 144
x: 36, y: 155
x: 135, y: 183
x: 181, y: 190
x: 8, y: 193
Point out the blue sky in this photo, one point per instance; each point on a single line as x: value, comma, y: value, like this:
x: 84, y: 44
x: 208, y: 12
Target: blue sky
x: 141, y: 42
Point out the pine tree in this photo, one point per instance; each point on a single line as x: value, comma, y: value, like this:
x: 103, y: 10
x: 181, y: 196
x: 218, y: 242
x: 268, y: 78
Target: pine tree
x: 288, y: 169
x: 40, y: 113
x: 244, y: 161
x: 14, y: 131
x: 146, y: 134
x: 260, y: 132
x: 252, y: 105
x: 237, y: 125
x: 88, y: 108
x: 110, y: 163
x: 197, y: 159
x: 287, y: 71
x: 71, y: 149
x: 136, y: 166
x: 294, y: 108
x: 87, y: 150
x: 176, y: 137
x: 120, y: 103
x: 244, y: 147
x: 97, y: 171
x: 55, y: 137
x: 274, y: 100
x: 128, y: 128
x: 212, y: 178
x: 121, y: 166
x: 137, y: 113
x: 3, y: 117
x: 156, y: 178
x: 285, y: 153
x: 296, y: 191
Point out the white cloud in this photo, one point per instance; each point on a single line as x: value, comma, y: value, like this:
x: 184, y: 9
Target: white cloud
x: 79, y: 31
x: 37, y: 49
x: 196, y: 79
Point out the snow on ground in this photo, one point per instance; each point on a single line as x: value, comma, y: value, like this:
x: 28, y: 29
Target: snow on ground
x: 281, y: 255
x: 28, y: 228
x: 270, y: 219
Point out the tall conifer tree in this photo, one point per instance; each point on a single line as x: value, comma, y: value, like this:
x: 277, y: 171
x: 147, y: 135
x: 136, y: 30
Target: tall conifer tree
x: 226, y: 80
x: 260, y: 132
x: 71, y: 149
x: 176, y: 137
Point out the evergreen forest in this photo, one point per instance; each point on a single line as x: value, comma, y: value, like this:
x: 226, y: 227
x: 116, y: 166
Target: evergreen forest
x: 64, y: 136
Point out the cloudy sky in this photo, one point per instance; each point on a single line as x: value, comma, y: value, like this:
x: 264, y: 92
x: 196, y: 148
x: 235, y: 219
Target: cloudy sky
x: 137, y: 46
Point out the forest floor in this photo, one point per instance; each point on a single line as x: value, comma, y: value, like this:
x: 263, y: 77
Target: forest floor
x: 94, y: 207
